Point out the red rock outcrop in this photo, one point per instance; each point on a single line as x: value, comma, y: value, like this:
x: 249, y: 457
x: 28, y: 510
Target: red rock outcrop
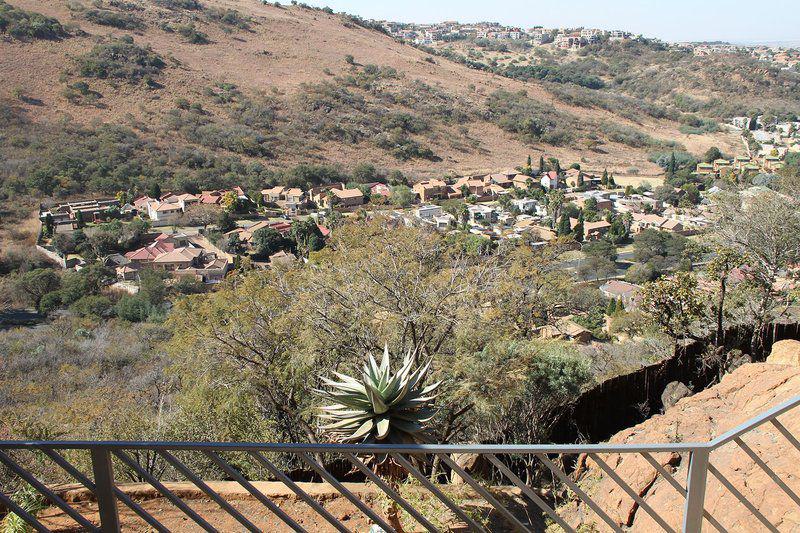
x: 745, y: 393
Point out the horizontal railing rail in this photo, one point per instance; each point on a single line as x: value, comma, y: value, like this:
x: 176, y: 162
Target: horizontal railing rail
x: 537, y: 472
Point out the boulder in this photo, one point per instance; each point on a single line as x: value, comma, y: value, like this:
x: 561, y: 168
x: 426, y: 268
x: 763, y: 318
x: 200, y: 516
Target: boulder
x: 673, y: 392
x: 745, y: 393
x: 474, y: 464
x: 785, y: 352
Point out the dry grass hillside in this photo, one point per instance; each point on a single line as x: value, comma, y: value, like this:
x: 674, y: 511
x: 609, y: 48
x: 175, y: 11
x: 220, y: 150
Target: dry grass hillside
x: 417, y: 113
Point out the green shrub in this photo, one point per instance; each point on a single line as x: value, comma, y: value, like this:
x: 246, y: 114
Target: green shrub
x: 24, y: 25
x: 134, y: 308
x: 192, y: 34
x: 516, y: 113
x: 229, y: 17
x: 105, y: 17
x: 92, y: 306
x: 555, y: 73
x: 120, y: 59
x: 192, y: 5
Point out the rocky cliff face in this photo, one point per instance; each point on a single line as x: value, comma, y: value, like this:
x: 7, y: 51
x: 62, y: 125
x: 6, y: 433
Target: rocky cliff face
x: 745, y: 393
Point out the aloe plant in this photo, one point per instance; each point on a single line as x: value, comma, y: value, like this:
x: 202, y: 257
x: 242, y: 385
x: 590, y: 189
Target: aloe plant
x: 382, y: 407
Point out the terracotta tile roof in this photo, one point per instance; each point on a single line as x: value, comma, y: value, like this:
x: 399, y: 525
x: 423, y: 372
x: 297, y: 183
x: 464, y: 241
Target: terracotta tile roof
x: 179, y: 255
x: 347, y: 193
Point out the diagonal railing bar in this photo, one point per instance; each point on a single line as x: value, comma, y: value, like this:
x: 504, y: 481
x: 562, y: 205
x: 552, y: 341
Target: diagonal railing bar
x: 86, y: 482
x: 739, y: 496
x: 681, y: 490
x: 46, y: 492
x: 393, y: 494
x: 529, y: 492
x: 58, y: 459
x: 29, y: 519
x: 582, y: 495
x: 786, y: 434
x: 632, y: 493
x: 168, y: 494
x: 664, y: 473
x: 485, y: 494
x: 355, y: 500
x: 249, y: 487
x: 294, y: 487
x: 741, y: 429
x: 767, y: 470
x: 428, y: 484
x: 211, y: 493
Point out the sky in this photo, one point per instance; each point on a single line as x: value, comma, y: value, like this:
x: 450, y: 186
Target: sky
x: 739, y: 21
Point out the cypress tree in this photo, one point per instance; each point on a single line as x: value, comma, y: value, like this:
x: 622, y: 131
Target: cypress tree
x: 611, y: 308
x: 611, y: 183
x: 49, y: 225
x: 564, y: 226
x: 578, y: 230
x: 604, y: 179
x: 541, y: 164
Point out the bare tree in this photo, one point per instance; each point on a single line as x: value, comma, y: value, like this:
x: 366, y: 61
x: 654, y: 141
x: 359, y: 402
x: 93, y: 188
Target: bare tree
x: 763, y: 227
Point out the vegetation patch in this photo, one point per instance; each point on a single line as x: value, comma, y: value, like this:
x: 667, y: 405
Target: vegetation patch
x: 120, y: 59
x: 532, y: 120
x: 26, y: 25
x: 229, y: 17
x: 105, y: 17
x: 177, y: 5
x: 555, y: 73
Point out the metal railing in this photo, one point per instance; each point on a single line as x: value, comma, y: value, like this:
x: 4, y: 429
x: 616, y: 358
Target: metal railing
x: 427, y: 465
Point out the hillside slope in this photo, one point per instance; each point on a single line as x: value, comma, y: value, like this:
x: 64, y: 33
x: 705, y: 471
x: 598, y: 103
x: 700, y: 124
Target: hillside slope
x: 273, y: 85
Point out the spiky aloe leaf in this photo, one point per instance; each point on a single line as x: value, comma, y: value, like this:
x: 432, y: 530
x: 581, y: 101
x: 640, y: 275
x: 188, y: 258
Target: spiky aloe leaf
x: 382, y: 406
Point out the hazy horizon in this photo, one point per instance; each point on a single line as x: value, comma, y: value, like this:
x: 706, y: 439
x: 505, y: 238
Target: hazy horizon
x: 678, y: 20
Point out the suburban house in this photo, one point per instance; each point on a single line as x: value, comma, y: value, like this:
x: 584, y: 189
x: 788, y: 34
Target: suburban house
x: 480, y: 213
x: 721, y: 165
x: 472, y: 185
x: 65, y: 214
x: 348, y: 197
x: 704, y: 169
x: 642, y: 222
x: 498, y: 179
x: 525, y: 205
x: 336, y: 194
x: 579, y: 199
x: 572, y: 177
x: 428, y: 212
x: 443, y: 221
x: 282, y: 258
x: 379, y: 189
x: 551, y: 180
x: 521, y: 181
x: 274, y: 195
x: 430, y: 190
x: 592, y: 230
x: 621, y: 291
x: 164, y: 213
x: 175, y: 254
x: 215, y: 197
x: 246, y: 234
x: 566, y: 328
x: 287, y: 198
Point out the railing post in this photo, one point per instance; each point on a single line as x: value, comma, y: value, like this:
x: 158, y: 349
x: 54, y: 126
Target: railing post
x: 696, y: 490
x: 104, y: 490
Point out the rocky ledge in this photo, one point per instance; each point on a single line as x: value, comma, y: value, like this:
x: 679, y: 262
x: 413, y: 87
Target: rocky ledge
x: 745, y: 393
